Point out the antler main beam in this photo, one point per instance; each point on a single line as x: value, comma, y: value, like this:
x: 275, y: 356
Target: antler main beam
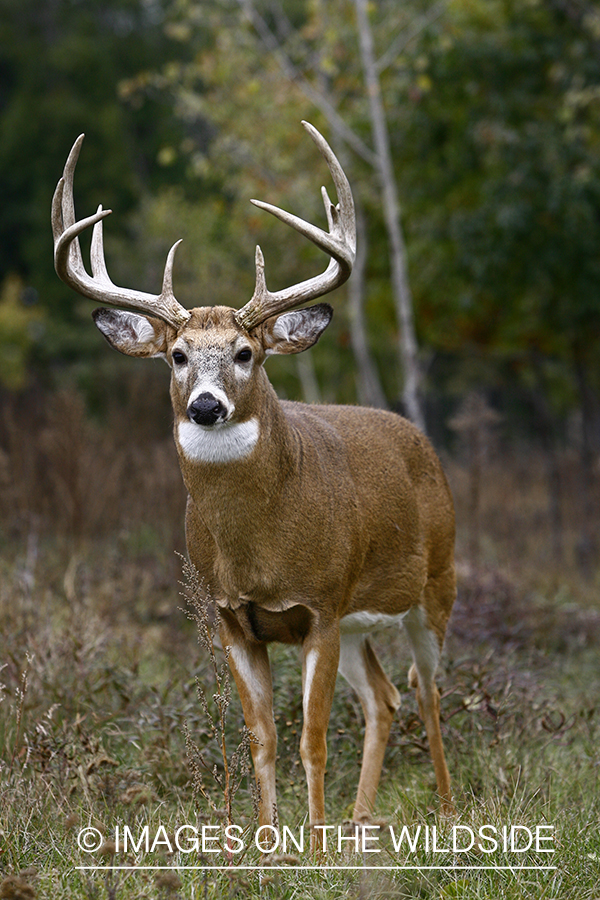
x: 69, y: 265
x: 339, y: 242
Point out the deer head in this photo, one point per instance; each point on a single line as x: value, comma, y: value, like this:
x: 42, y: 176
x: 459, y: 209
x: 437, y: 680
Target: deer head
x: 216, y: 353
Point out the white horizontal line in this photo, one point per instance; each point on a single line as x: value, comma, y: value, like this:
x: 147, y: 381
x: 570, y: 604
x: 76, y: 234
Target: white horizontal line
x: 268, y: 868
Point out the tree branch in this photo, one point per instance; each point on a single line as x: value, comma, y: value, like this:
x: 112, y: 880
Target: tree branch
x: 297, y: 77
x: 403, y: 40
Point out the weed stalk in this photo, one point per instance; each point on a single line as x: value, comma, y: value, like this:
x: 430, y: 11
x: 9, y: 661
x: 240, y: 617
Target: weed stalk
x: 203, y: 611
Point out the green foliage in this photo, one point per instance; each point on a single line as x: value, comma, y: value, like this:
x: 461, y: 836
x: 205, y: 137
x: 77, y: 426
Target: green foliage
x: 504, y: 210
x: 19, y: 324
x: 493, y: 111
x: 61, y: 66
x: 191, y: 108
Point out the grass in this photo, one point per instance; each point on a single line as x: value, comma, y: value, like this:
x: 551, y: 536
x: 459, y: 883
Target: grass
x: 99, y: 682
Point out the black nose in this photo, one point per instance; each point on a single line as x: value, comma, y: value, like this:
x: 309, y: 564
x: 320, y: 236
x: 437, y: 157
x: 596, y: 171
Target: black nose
x: 206, y: 410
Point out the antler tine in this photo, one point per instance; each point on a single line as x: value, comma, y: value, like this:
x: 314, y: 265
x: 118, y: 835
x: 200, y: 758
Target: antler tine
x: 342, y: 185
x: 63, y: 206
x: 339, y: 243
x: 98, y: 263
x: 68, y: 260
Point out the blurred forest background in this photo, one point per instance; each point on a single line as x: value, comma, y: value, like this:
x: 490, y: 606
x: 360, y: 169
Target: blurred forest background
x: 470, y: 131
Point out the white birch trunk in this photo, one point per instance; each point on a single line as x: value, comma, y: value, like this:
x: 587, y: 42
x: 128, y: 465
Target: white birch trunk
x: 391, y: 209
x: 368, y: 385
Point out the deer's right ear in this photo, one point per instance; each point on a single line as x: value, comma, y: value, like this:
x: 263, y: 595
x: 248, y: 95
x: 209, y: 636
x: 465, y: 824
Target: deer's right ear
x: 133, y: 334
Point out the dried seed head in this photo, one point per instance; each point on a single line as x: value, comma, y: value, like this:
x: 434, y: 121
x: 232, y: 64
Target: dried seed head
x: 15, y: 888
x: 169, y: 882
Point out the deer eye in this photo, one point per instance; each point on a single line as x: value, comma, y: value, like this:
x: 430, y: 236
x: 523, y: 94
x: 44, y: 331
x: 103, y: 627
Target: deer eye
x: 179, y: 358
x: 244, y: 355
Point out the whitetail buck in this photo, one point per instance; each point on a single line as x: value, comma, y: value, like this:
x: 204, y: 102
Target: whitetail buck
x: 311, y: 524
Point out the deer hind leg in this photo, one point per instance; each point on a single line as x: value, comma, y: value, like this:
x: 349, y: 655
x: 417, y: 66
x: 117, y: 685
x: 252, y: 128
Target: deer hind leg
x: 249, y: 663
x: 379, y: 699
x: 425, y: 645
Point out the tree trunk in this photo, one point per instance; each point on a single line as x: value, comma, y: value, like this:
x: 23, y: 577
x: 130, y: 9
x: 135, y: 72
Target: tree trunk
x: 587, y: 546
x: 545, y: 429
x: 391, y: 209
x: 305, y: 367
x: 368, y: 385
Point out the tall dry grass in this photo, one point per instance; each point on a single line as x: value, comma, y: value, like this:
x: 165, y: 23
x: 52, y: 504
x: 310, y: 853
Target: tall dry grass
x: 100, y: 669
x: 71, y: 479
x: 64, y: 475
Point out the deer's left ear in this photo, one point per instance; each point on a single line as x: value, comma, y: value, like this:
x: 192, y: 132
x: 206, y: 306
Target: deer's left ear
x: 133, y: 334
x: 293, y: 332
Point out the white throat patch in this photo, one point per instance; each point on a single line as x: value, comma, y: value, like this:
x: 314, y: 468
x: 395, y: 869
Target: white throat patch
x: 218, y: 444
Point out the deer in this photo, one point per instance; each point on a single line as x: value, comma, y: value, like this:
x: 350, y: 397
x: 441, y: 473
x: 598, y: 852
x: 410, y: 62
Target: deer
x: 312, y: 525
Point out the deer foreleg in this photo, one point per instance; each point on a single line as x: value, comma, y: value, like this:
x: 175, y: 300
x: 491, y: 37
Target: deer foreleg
x: 319, y: 666
x: 249, y: 662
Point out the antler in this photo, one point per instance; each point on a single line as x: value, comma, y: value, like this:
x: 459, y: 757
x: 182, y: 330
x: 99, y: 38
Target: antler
x: 69, y: 265
x: 339, y: 243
